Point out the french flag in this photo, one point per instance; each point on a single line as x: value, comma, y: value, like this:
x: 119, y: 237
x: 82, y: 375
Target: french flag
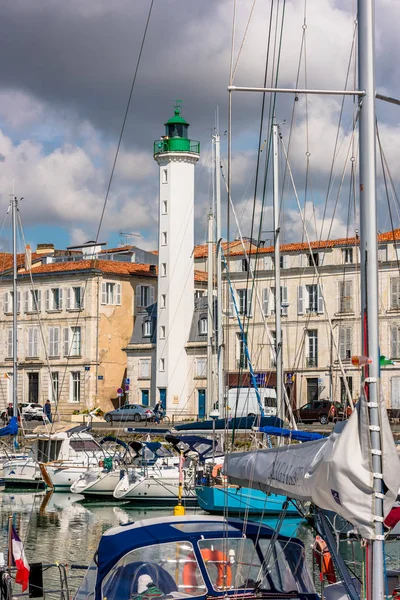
x: 18, y: 553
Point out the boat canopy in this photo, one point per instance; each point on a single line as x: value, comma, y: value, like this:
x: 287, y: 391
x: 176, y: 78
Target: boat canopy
x: 204, y: 447
x: 335, y: 473
x: 294, y: 434
x: 234, y: 423
x: 11, y: 428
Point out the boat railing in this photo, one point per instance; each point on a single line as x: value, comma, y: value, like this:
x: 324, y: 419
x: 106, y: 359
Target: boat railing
x: 60, y: 584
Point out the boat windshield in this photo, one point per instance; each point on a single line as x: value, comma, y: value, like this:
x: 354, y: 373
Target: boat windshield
x: 160, y: 570
x: 271, y: 565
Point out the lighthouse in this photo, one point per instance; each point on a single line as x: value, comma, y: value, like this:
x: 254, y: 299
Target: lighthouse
x: 176, y: 156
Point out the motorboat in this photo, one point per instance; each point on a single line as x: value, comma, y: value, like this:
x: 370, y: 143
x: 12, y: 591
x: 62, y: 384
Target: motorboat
x: 197, y: 557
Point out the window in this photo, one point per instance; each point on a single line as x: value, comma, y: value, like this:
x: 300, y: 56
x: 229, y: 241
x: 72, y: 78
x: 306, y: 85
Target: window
x: 241, y: 356
x: 54, y: 341
x: 203, y: 326
x: 33, y: 342
x: 283, y: 303
x: 267, y: 263
x: 75, y: 386
x: 395, y: 292
x: 201, y: 366
x: 163, y: 300
x: 312, y: 356
x: 9, y: 343
x: 32, y: 301
x: 164, y: 238
x: 164, y: 176
x: 312, y: 389
x: 244, y: 265
x: 75, y: 298
x: 164, y: 207
x: 345, y: 296
x: 345, y: 336
x: 54, y: 299
x: 162, y: 364
x: 313, y: 258
x: 199, y: 294
x: 273, y: 350
x: 395, y: 341
x: 144, y: 368
x: 311, y: 298
x: 144, y: 295
x: 244, y: 302
x: 163, y: 270
x: 110, y: 293
x: 54, y: 386
x: 8, y: 302
x: 147, y: 329
x: 283, y: 261
x: 162, y: 332
x: 347, y: 255
x: 72, y: 341
x: 397, y: 251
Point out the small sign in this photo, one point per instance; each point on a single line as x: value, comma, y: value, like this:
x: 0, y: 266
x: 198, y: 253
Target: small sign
x: 127, y: 388
x: 127, y: 381
x: 119, y: 395
x: 289, y: 378
x: 175, y: 399
x: 100, y: 377
x: 320, y: 381
x: 87, y: 368
x: 260, y: 379
x: 120, y: 391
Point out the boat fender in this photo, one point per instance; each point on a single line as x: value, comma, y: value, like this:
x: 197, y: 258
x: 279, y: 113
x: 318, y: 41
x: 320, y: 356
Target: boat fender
x: 216, y: 470
x: 324, y: 561
x: 224, y: 570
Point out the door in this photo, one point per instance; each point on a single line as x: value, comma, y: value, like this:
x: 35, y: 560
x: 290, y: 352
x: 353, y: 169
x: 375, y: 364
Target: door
x: 312, y: 389
x: 145, y: 397
x: 163, y: 397
x: 33, y: 387
x: 201, y: 396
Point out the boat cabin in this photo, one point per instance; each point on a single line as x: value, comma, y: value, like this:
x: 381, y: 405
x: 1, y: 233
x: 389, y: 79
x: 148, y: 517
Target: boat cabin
x: 195, y: 557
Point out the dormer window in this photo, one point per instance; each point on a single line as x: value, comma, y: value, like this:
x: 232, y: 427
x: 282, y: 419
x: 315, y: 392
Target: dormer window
x: 147, y: 329
x: 203, y: 326
x: 313, y: 258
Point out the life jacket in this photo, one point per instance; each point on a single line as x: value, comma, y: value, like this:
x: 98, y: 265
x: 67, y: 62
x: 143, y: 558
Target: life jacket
x: 224, y: 570
x: 323, y: 558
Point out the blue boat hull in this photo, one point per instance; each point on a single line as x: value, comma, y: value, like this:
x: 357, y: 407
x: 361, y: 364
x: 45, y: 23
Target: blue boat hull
x: 217, y: 499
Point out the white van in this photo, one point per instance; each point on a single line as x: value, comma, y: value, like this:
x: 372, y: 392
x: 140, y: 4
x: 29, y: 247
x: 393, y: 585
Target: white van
x: 243, y: 402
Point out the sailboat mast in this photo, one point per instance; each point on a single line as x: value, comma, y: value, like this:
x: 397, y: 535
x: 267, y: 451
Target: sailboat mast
x: 220, y: 342
x: 277, y: 267
x: 14, y: 208
x: 369, y: 269
x: 210, y: 315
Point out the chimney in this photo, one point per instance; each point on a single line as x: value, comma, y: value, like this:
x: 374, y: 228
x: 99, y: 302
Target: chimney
x: 152, y: 268
x: 45, y: 249
x: 28, y: 258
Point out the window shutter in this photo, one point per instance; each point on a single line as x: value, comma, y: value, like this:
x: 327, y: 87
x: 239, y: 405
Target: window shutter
x: 82, y: 297
x: 267, y: 263
x: 320, y: 309
x: 60, y: 292
x: 285, y: 261
x: 233, y: 299
x: 349, y: 295
x: 342, y: 343
x: 18, y: 302
x: 39, y: 300
x: 394, y: 341
x: 47, y: 300
x: 348, y: 342
x: 151, y: 295
x: 66, y: 341
x: 265, y: 301
x: 284, y: 296
x: 394, y: 292
x: 138, y: 298
x: 300, y: 300
x: 51, y: 341
x: 6, y: 302
x: 103, y: 293
x: 249, y: 303
x: 56, y: 337
x: 118, y: 293
x: 10, y: 343
x: 36, y: 342
x: 30, y: 342
x: 68, y: 298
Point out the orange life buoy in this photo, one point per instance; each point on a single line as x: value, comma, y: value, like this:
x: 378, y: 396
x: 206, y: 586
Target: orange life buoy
x: 216, y: 470
x: 323, y: 558
x: 224, y: 570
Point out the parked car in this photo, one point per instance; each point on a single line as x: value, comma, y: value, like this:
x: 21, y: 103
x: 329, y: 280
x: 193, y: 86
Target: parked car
x: 130, y: 412
x: 321, y: 410
x: 32, y: 411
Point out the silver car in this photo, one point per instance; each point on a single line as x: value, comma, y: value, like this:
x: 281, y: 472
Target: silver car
x: 130, y: 412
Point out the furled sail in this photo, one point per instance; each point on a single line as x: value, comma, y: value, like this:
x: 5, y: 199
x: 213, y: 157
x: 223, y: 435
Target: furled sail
x: 335, y: 473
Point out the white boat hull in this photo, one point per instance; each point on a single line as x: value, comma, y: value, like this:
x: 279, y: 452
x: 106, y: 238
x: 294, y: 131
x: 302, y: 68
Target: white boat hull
x: 159, y: 486
x: 97, y: 483
x: 24, y: 473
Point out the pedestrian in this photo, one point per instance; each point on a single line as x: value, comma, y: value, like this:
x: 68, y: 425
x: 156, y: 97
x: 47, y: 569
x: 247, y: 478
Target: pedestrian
x: 158, y: 410
x: 47, y: 410
x: 10, y: 410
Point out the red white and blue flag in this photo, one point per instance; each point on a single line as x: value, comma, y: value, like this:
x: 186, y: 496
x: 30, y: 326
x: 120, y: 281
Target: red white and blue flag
x: 18, y: 554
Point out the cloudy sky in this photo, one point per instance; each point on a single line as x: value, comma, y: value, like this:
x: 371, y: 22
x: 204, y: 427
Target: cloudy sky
x: 65, y: 73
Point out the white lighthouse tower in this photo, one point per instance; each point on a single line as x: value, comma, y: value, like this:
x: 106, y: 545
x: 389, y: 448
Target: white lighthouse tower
x: 176, y: 157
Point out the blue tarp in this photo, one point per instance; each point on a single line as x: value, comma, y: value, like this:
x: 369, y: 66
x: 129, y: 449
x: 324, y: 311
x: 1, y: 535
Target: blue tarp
x: 11, y: 428
x: 234, y: 423
x: 299, y: 436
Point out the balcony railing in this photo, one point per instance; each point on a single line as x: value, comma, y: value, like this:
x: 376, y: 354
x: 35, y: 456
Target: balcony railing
x: 176, y: 145
x: 311, y: 361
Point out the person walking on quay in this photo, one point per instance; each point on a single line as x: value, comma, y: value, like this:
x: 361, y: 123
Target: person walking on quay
x: 47, y: 410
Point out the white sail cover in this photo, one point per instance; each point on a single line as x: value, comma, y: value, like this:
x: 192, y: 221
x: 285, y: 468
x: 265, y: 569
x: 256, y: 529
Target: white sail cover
x: 334, y: 473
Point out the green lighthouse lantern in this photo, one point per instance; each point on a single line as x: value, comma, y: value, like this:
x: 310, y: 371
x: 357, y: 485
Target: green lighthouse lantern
x: 176, y: 136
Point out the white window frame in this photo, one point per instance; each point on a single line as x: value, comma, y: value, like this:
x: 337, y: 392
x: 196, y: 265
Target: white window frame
x: 162, y: 332
x: 163, y: 301
x: 395, y: 293
x: 163, y: 270
x: 9, y: 343
x: 161, y: 366
x: 53, y: 304
x: 345, y: 339
x: 33, y: 342
x: 165, y: 176
x: 312, y: 348
x: 76, y: 341
x: 76, y: 385
x: 201, y: 367
x: 147, y: 328
x: 110, y: 293
x: 347, y: 256
x: 203, y: 326
x: 164, y: 207
x: 144, y: 368
x: 345, y: 296
x: 54, y: 341
x: 54, y: 385
x: 164, y: 238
